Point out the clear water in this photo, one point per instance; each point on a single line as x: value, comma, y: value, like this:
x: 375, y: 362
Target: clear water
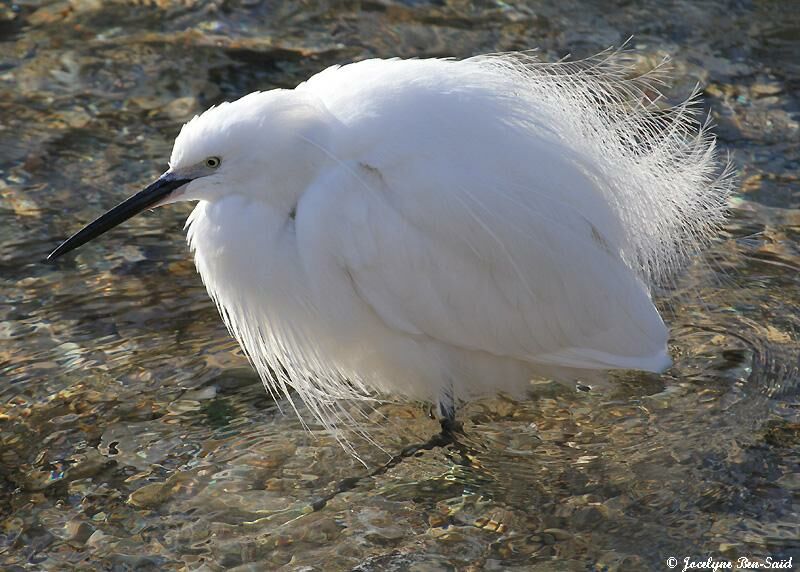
x: 133, y: 436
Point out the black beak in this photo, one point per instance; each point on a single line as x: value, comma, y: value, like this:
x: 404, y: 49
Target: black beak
x: 120, y: 213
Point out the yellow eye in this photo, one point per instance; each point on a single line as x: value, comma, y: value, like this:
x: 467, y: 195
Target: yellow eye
x: 213, y: 162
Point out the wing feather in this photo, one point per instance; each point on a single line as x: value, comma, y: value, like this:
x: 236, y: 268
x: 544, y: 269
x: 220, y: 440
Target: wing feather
x: 512, y: 207
x: 543, y: 286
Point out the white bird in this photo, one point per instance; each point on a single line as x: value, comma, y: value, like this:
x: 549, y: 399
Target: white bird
x: 441, y: 229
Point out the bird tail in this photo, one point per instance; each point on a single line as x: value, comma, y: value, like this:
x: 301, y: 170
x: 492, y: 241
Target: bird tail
x: 657, y: 165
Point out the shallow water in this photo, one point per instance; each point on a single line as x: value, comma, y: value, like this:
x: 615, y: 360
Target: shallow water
x: 134, y: 436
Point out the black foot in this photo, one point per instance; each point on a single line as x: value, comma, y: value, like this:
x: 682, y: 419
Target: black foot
x: 447, y: 414
x: 450, y: 426
x: 443, y: 439
x: 447, y: 438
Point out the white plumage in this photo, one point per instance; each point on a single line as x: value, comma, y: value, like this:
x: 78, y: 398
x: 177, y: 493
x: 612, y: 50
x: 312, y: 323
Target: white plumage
x: 467, y: 223
x: 419, y: 226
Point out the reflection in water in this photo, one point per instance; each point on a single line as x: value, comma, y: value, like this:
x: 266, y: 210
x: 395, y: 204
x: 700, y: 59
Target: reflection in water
x: 134, y: 435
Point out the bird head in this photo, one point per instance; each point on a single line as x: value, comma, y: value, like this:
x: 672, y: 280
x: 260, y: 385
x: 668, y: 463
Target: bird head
x: 266, y: 145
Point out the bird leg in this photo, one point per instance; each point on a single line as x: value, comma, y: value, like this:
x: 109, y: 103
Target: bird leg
x: 446, y: 408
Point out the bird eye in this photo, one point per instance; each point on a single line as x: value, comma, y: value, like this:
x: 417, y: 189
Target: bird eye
x: 213, y: 162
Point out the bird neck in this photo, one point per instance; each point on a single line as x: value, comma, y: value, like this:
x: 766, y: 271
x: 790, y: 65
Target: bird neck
x: 246, y: 254
x: 298, y: 144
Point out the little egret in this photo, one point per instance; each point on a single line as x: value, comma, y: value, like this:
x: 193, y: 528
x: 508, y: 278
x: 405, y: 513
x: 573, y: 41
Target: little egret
x: 441, y: 229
